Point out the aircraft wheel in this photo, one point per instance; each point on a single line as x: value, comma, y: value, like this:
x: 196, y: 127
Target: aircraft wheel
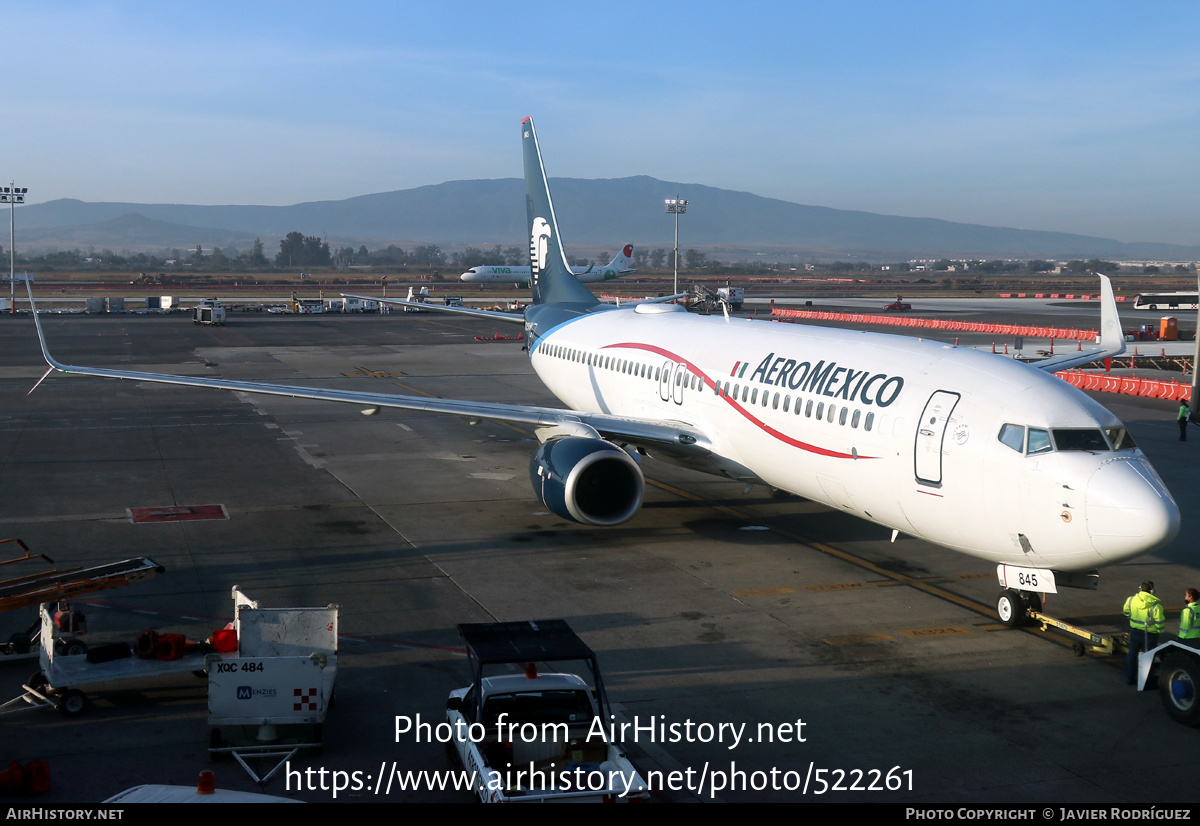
x: 1178, y: 678
x: 1010, y: 607
x: 72, y: 703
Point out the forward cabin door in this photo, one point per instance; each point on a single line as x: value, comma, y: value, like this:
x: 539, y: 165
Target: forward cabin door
x: 931, y: 433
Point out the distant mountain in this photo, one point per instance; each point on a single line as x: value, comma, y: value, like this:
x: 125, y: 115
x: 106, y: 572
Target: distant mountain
x: 135, y: 232
x: 604, y: 212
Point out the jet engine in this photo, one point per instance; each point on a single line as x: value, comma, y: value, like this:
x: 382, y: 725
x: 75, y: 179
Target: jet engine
x: 587, y: 480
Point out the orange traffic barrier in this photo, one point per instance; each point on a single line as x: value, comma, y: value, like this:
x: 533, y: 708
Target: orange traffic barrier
x: 937, y: 324
x: 1169, y: 390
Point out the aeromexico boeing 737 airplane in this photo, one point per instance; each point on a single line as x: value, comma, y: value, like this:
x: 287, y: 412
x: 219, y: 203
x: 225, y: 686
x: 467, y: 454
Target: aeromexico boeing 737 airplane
x: 988, y: 456
x: 619, y: 266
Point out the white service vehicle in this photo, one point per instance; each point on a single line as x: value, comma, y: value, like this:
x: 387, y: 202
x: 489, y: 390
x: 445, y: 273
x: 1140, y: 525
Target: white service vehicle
x: 1178, y: 679
x: 416, y: 295
x: 359, y: 305
x: 209, y: 311
x: 537, y: 738
x: 733, y: 296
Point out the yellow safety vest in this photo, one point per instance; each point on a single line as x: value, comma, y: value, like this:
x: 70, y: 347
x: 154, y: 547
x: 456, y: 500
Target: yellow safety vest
x: 1189, y: 622
x: 1145, y: 613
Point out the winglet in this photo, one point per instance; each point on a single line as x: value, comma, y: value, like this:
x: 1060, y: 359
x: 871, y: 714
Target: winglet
x: 551, y: 278
x: 1112, y: 340
x: 41, y: 336
x: 1111, y: 335
x: 54, y: 365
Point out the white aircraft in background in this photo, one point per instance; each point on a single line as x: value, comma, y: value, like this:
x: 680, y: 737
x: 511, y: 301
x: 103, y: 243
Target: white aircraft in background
x: 619, y: 266
x: 981, y: 454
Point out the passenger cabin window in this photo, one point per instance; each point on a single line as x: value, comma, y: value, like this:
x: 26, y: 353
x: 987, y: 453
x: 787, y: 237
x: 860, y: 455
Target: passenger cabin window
x: 1013, y: 435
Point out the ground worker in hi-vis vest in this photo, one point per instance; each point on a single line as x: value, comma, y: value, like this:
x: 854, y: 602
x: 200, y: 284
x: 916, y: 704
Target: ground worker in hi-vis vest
x: 1189, y: 618
x: 1147, y: 619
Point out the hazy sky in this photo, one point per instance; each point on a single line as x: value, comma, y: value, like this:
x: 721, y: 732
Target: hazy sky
x: 1059, y: 115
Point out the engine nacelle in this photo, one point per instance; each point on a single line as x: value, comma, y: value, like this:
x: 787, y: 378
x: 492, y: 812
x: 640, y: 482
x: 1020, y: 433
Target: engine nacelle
x: 587, y: 480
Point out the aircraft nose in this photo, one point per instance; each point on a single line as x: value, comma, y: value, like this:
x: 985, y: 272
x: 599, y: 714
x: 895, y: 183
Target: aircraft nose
x: 1129, y: 509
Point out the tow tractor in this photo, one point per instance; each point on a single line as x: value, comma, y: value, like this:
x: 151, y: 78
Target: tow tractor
x: 1178, y: 664
x: 536, y: 737
x: 1178, y: 679
x: 1022, y: 588
x: 1020, y: 603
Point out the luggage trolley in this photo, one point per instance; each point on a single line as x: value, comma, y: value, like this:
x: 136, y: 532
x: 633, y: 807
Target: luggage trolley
x: 52, y: 584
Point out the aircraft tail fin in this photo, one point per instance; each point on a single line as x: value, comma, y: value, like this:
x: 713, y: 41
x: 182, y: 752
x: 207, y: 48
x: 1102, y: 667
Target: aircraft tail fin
x: 551, y: 278
x: 624, y: 259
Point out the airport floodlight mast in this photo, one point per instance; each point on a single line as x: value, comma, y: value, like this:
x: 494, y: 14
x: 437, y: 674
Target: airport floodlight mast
x: 676, y: 207
x: 12, y: 195
x: 1192, y: 402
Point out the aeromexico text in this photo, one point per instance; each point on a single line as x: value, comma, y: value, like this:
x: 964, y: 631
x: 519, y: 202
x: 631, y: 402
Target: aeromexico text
x: 827, y: 380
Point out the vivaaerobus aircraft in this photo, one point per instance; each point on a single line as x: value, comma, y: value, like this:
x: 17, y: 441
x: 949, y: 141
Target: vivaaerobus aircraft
x: 620, y: 265
x: 988, y: 456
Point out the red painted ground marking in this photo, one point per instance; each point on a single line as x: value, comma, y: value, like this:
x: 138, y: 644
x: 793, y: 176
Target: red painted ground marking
x: 179, y: 513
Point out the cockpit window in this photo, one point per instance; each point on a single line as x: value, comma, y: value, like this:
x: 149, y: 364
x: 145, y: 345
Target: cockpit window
x: 1089, y: 439
x: 1039, y: 441
x: 1013, y: 435
x: 1120, y: 438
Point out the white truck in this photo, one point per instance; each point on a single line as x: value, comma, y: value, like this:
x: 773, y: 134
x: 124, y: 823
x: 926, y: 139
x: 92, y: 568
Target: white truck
x: 358, y: 305
x: 209, y: 311
x: 732, y: 296
x: 417, y: 295
x: 536, y: 738
x: 1178, y: 679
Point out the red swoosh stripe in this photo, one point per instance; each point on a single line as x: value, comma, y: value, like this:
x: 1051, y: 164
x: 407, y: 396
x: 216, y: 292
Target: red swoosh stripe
x: 783, y: 437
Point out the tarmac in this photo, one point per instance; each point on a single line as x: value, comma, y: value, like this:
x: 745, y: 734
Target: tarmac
x: 862, y: 670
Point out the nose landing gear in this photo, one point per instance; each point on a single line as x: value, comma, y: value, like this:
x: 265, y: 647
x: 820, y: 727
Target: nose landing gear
x: 1014, y: 607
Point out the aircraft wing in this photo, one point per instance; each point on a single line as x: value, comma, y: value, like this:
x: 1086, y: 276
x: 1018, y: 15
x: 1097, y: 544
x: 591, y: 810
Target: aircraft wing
x: 662, y: 299
x: 675, y: 435
x: 1112, y: 340
x: 511, y: 318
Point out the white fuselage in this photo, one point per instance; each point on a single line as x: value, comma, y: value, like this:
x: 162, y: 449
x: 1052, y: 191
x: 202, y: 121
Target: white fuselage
x: 516, y: 275
x: 896, y: 430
